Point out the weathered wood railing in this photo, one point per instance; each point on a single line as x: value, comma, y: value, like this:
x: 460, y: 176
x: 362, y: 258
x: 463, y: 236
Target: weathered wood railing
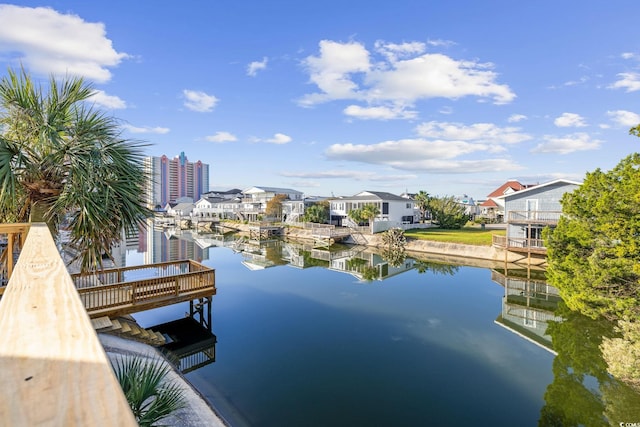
x: 53, y: 370
x: 518, y: 243
x: 12, y: 237
x: 116, y: 291
x: 539, y: 217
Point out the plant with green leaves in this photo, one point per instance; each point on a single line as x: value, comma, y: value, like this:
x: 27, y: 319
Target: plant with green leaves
x: 594, y: 252
x: 448, y: 213
x: 148, y: 391
x: 60, y: 157
x: 317, y: 213
x: 422, y: 200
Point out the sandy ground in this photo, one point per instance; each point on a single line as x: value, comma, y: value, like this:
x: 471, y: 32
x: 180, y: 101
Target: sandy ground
x: 197, y: 413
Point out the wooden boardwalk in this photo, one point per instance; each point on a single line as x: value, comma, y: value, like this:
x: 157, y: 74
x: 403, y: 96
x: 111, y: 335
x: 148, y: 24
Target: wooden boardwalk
x: 120, y: 291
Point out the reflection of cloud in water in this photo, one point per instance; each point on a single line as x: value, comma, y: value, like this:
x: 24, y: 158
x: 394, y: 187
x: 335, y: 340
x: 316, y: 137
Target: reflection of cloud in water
x: 433, y: 323
x: 396, y: 338
x: 492, y: 351
x: 348, y: 295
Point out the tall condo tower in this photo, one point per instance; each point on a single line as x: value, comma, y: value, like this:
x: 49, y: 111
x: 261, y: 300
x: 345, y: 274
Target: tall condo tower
x: 171, y: 179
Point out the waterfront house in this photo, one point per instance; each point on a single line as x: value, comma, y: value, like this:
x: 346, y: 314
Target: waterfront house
x: 529, y: 210
x: 395, y: 211
x: 493, y: 208
x: 253, y: 205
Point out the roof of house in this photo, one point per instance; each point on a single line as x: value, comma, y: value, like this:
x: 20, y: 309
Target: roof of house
x: 378, y: 195
x: 506, y: 188
x: 537, y: 187
x: 183, y: 207
x: 489, y: 203
x: 276, y: 190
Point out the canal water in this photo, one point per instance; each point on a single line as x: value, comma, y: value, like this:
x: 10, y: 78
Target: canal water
x: 310, y: 337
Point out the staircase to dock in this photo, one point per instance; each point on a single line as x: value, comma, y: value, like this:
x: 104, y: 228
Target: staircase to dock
x: 127, y: 327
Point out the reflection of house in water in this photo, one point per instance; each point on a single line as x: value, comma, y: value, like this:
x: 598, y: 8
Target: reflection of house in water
x: 162, y: 246
x: 367, y: 266
x: 527, y: 308
x: 259, y: 255
x: 190, y: 345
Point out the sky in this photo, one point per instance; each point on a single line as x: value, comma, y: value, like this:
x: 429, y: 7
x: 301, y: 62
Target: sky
x: 337, y: 97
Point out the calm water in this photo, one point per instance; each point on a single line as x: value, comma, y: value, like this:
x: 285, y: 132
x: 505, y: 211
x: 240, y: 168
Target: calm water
x: 310, y: 345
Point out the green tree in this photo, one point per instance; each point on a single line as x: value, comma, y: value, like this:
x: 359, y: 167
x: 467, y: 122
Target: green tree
x: 318, y: 213
x: 274, y: 206
x: 447, y: 212
x: 148, y: 391
x: 422, y: 200
x: 59, y: 156
x: 594, y: 252
x: 367, y: 213
x: 370, y: 212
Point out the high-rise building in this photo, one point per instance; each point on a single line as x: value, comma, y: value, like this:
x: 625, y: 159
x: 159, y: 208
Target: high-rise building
x: 171, y: 179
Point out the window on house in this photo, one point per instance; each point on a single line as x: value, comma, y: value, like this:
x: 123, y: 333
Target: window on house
x: 385, y: 208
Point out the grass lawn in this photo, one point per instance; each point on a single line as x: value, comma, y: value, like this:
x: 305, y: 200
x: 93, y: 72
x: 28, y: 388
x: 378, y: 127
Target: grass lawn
x: 471, y: 235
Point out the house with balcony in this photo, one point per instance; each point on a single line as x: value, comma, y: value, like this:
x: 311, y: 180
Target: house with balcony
x: 253, y: 204
x: 492, y: 208
x: 395, y: 211
x: 529, y: 211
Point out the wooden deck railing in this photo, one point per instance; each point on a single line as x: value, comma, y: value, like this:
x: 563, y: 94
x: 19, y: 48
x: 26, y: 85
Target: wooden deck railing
x: 53, y: 370
x: 518, y: 243
x: 537, y: 217
x: 12, y: 237
x: 124, y: 288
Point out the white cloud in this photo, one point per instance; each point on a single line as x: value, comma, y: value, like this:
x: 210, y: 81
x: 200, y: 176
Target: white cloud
x: 279, y: 138
x: 379, y: 113
x: 393, y: 51
x: 255, y: 66
x: 567, y: 144
x: 403, y: 75
x: 479, y: 132
x: 221, y: 137
x: 624, y: 118
x: 628, y: 81
x: 570, y: 120
x: 628, y: 55
x: 515, y: 118
x: 348, y: 174
x: 146, y: 129
x: 48, y: 42
x: 199, y: 101
x: 331, y: 71
x: 107, y: 101
x: 422, y: 155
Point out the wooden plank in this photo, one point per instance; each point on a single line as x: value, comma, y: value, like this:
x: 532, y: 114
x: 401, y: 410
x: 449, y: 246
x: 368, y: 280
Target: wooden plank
x: 101, y: 323
x: 53, y: 370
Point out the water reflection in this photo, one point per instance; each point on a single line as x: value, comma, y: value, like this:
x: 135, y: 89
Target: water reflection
x: 527, y: 307
x: 581, y: 392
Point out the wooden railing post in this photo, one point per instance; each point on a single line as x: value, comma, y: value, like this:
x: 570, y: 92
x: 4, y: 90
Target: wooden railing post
x: 53, y: 370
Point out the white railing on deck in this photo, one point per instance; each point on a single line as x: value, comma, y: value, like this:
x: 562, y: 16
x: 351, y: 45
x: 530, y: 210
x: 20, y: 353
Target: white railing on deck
x: 53, y: 370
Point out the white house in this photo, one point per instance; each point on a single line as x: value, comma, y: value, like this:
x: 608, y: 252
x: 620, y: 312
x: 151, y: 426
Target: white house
x: 395, y: 211
x: 254, y: 201
x: 180, y: 209
x: 529, y: 210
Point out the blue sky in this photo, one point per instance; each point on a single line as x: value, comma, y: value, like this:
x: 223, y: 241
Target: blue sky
x: 336, y: 97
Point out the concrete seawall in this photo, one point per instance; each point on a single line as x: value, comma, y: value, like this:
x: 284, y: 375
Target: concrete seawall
x: 414, y: 246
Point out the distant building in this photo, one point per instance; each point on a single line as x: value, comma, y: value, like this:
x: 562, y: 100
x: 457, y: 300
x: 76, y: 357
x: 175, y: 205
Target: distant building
x: 172, y: 179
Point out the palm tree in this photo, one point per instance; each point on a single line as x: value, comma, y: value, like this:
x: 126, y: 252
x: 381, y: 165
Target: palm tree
x: 149, y: 394
x: 422, y: 201
x: 60, y: 157
x: 370, y: 212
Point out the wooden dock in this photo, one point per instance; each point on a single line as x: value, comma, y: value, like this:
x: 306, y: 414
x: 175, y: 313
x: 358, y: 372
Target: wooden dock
x: 264, y: 231
x: 120, y: 291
